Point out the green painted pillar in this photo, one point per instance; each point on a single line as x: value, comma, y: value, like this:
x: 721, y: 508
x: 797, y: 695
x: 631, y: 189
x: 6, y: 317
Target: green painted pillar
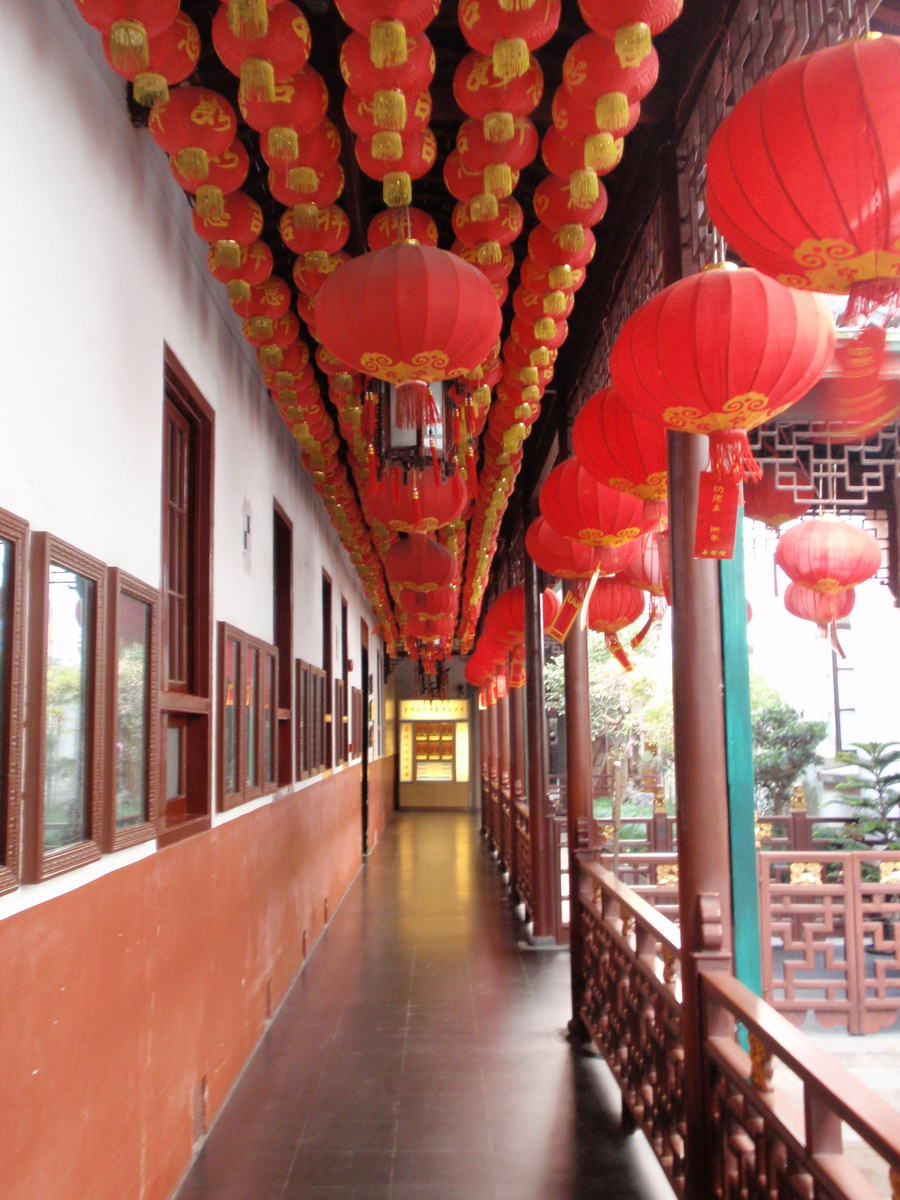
x: 739, y: 766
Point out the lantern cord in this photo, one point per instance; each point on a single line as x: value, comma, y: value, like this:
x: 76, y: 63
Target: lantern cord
x: 617, y: 650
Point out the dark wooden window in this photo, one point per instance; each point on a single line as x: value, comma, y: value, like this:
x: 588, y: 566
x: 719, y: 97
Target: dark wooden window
x: 247, y: 727
x: 13, y: 549
x: 64, y: 793
x: 328, y: 668
x: 312, y: 729
x: 186, y: 633
x: 283, y: 625
x: 132, y: 696
x: 356, y: 714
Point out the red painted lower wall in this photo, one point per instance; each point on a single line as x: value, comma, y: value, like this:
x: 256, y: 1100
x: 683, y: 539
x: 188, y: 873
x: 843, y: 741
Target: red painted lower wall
x: 125, y: 1001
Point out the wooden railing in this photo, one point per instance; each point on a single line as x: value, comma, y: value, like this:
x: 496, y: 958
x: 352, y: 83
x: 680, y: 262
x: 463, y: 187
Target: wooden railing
x: 761, y: 1144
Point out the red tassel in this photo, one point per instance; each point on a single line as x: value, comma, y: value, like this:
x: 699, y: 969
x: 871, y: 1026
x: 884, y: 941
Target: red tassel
x: 395, y: 486
x: 370, y: 414
x: 835, y: 643
x: 868, y: 295
x: 471, y: 473
x: 615, y: 647
x: 657, y: 608
x: 435, y: 465
x: 415, y: 405
x: 730, y: 456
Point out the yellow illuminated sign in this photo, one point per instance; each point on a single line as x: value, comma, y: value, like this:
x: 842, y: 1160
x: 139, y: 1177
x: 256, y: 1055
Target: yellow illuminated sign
x: 434, y: 710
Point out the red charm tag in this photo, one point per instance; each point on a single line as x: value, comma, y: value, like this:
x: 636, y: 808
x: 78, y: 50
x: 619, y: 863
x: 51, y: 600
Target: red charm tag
x: 568, y: 611
x: 718, y: 501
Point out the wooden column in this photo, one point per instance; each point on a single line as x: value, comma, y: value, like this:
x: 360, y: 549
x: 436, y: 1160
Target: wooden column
x: 493, y: 774
x: 503, y: 798
x: 579, y: 792
x: 516, y: 777
x: 701, y: 787
x: 484, y: 771
x: 536, y: 757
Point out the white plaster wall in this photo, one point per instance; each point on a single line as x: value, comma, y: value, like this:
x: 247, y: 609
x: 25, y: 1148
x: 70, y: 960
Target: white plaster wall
x: 101, y: 269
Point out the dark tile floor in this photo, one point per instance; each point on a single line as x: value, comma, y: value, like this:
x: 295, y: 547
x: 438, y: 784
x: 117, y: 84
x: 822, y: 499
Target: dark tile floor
x: 421, y: 1054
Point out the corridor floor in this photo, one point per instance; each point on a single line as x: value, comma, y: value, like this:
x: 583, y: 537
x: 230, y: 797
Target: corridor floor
x: 421, y: 1054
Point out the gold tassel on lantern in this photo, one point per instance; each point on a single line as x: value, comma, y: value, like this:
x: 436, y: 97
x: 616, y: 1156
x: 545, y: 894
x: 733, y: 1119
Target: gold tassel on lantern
x: 260, y: 327
x: 498, y: 127
x: 540, y: 356
x: 584, y: 188
x: 517, y: 5
x: 192, y: 162
x: 389, y: 110
x: 481, y: 397
x: 497, y: 179
x: 282, y: 143
x: 303, y: 179
x: 560, y: 276
x: 510, y: 58
x: 484, y: 208
x: 387, y: 145
x: 555, y: 302
x: 396, y: 189
x: 571, y: 238
x: 387, y: 44
x: 128, y: 47
x: 633, y: 44
x: 602, y: 151
x: 248, y: 19
x: 529, y: 376
x: 227, y: 253
x: 611, y: 111
x: 210, y: 201
x: 489, y: 253
x: 544, y: 329
x: 150, y: 88
x: 305, y: 216
x: 270, y: 356
x: 238, y: 290
x: 257, y: 79
x: 317, y: 260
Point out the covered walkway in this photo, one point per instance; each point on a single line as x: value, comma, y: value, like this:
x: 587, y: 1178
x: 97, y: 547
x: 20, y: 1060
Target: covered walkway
x: 422, y: 1054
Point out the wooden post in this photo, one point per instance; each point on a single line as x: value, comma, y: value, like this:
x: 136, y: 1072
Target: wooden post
x: 704, y: 883
x: 516, y: 776
x: 503, y: 797
x: 542, y: 890
x: 580, y: 800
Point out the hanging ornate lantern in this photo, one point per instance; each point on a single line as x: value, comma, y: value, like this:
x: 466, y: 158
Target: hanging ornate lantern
x: 480, y: 232
x: 419, y: 564
x: 541, y: 277
x: 388, y: 110
x: 508, y: 34
x: 128, y: 25
x: 630, y: 24
x: 387, y: 25
x: 552, y: 247
x: 330, y: 186
x: 719, y: 353
x: 577, y: 122
x: 765, y: 501
x: 828, y: 555
x: 807, y: 199
x: 650, y: 571
x: 325, y: 229
x: 582, y: 162
x: 411, y: 76
x: 302, y: 160
x: 612, y: 606
x: 298, y: 106
x: 406, y: 157
x: 408, y: 313
x: 855, y: 402
x: 239, y: 224
x: 595, y: 77
x: 480, y: 92
x: 193, y: 125
x: 260, y: 62
x: 254, y: 265
x: 415, y: 501
x: 226, y: 172
x: 621, y: 448
x: 824, y: 609
x: 171, y: 57
x: 577, y: 506
x: 555, y: 204
x: 401, y: 225
x: 270, y: 299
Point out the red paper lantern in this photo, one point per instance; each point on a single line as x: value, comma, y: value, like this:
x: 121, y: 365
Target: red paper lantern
x: 408, y: 312
x: 598, y: 155
x: 171, y: 57
x: 630, y: 23
x: 269, y: 299
x: 271, y: 58
x: 554, y: 248
x: 419, y: 564
x: 620, y: 448
x: 822, y: 608
x: 828, y: 555
x: 226, y: 172
x: 555, y: 204
x: 364, y: 15
x: 411, y: 76
x: 577, y: 506
x: 329, y: 187
x: 576, y: 122
x: 508, y: 33
x: 765, y: 501
x: 441, y: 602
x: 478, y: 150
x: 595, y: 77
x: 719, y: 353
x: 420, y: 503
x: 266, y: 331
x: 614, y: 605
x: 387, y: 109
x: 472, y: 229
x: 427, y: 628
x: 311, y: 270
x: 302, y: 160
x: 239, y: 224
x: 193, y: 125
x: 491, y: 270
x: 299, y: 103
x: 325, y: 229
x: 532, y: 306
x: 545, y: 331
x: 807, y: 198
x: 412, y: 156
x: 479, y: 90
x: 505, y: 621
x: 128, y: 25
x: 541, y: 277
x: 254, y: 265
x: 400, y: 225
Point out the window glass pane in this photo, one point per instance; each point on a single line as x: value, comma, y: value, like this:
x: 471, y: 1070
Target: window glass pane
x: 268, y: 720
x: 133, y: 696
x: 230, y: 667
x: 173, y: 761
x: 251, y: 704
x: 69, y: 652
x: 6, y: 551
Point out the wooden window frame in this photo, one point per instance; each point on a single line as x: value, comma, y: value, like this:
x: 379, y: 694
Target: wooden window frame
x: 119, y: 581
x: 311, y: 728
x: 268, y: 656
x: 188, y: 706
x: 41, y: 864
x: 15, y: 531
x: 356, y: 722
x: 282, y: 629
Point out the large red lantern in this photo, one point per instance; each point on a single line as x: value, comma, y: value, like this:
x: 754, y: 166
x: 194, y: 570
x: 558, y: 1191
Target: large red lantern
x: 419, y: 564
x: 171, y: 57
x: 719, y: 353
x: 193, y: 125
x: 407, y: 313
x: 613, y: 605
x: 813, y: 200
x: 579, y: 507
x: 621, y: 448
x: 828, y: 555
x: 418, y: 503
x: 824, y: 609
x: 765, y: 501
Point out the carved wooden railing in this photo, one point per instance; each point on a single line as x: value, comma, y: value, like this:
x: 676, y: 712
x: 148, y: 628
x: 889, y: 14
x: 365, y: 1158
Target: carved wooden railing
x: 762, y: 1144
x: 520, y: 883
